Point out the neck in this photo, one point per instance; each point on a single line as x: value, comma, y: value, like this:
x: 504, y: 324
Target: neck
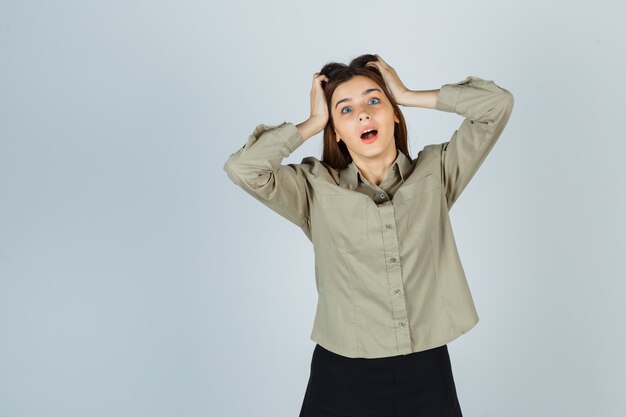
x: 375, y: 170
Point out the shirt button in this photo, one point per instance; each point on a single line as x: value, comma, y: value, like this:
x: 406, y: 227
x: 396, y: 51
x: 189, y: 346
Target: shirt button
x: 401, y: 323
x: 397, y: 292
x: 389, y: 226
x: 382, y: 196
x: 392, y: 259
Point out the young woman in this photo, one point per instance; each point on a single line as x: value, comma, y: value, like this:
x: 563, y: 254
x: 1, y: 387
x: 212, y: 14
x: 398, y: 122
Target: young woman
x: 391, y: 288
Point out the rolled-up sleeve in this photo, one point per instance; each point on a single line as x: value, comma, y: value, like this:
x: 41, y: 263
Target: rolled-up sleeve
x: 256, y: 168
x: 487, y: 108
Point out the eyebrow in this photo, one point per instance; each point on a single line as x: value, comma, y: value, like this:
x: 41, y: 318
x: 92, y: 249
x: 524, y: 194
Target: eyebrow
x: 369, y: 90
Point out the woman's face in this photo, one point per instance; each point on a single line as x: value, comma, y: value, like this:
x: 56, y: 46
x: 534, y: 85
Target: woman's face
x: 356, y: 105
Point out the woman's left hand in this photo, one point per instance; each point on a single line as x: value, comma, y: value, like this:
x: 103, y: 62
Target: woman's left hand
x: 394, y: 85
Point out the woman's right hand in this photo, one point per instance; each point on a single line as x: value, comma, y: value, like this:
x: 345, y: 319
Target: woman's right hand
x: 319, y: 107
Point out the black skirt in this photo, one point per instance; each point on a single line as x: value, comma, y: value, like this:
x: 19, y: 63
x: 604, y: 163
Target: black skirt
x: 414, y: 385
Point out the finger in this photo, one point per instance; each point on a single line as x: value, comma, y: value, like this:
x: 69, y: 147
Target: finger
x: 317, y: 84
x: 382, y: 61
x: 318, y: 78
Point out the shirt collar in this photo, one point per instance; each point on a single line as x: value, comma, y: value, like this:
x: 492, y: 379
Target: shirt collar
x: 351, y: 175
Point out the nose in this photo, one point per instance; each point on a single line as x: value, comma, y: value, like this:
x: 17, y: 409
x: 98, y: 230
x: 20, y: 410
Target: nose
x: 364, y: 116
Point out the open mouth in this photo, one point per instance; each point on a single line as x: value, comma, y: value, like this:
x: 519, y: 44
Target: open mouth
x: 369, y: 135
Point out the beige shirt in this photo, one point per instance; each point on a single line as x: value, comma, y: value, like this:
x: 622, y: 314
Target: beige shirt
x: 388, y: 274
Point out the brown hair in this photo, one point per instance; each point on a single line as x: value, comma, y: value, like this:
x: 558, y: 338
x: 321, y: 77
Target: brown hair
x: 335, y: 153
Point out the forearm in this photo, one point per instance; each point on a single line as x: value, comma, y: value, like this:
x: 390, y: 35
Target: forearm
x: 306, y: 129
x: 253, y: 164
x: 419, y: 98
x: 310, y: 127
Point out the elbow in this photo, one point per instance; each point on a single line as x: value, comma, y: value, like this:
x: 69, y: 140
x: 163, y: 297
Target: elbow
x: 228, y: 166
x: 247, y: 177
x: 507, y: 99
x: 499, y: 108
x: 231, y: 169
x: 506, y: 108
x: 510, y: 100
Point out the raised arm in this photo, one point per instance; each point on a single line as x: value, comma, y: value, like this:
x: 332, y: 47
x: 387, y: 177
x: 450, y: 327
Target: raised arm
x: 487, y: 109
x: 256, y: 166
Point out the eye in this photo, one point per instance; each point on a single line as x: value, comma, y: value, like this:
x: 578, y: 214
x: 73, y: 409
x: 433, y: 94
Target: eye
x: 347, y: 107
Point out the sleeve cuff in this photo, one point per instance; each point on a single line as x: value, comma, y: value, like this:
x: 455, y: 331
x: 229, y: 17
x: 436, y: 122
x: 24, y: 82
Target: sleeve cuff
x: 449, y: 95
x: 288, y: 133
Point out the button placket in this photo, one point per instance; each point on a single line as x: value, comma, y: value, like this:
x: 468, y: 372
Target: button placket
x: 394, y: 276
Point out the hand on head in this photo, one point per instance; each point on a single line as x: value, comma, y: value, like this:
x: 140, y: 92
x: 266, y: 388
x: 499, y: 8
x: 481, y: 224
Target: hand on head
x: 392, y: 80
x: 319, y: 108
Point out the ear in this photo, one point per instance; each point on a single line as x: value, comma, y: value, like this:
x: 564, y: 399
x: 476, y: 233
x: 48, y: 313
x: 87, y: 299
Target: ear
x: 395, y: 118
x: 337, y: 138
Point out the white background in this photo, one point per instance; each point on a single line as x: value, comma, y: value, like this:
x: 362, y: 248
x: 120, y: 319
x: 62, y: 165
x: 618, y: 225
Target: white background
x: 135, y: 277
